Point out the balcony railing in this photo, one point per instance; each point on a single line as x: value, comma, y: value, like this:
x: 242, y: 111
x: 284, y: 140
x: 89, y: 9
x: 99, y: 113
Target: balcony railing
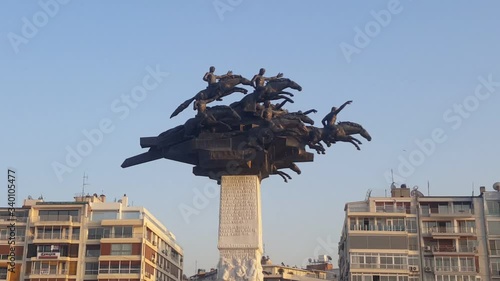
x: 17, y: 219
x: 450, y: 230
x: 57, y: 236
x: 468, y: 212
x: 381, y: 266
x: 93, y: 253
x: 49, y: 271
x: 389, y: 209
x: 378, y: 227
x: 48, y: 218
x: 359, y: 209
x: 455, y: 268
x: 114, y: 235
x: 119, y: 270
x: 453, y: 249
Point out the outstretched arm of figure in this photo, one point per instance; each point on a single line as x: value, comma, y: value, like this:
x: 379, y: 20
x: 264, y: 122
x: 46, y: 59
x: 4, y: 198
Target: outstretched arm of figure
x: 225, y: 75
x: 342, y: 106
x: 274, y: 77
x: 309, y: 111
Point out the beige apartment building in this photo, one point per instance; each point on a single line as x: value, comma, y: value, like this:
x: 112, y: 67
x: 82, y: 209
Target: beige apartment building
x: 410, y: 237
x: 89, y: 239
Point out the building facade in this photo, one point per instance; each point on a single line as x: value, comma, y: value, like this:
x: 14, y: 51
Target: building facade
x: 409, y: 237
x: 90, y: 239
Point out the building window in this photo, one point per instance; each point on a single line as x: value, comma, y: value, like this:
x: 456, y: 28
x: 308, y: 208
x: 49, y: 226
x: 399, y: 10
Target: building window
x: 121, y: 249
x: 93, y: 251
x: 119, y: 267
x: 91, y: 268
x: 131, y: 215
x: 58, y: 215
x: 52, y: 232
x: 122, y: 232
x: 3, y: 273
x: 494, y: 227
x: 493, y: 207
x: 99, y: 232
x: 495, y: 266
x: 462, y: 207
x: 104, y: 215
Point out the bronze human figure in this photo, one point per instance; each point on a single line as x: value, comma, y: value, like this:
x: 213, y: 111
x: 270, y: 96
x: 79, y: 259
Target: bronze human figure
x: 259, y: 80
x: 225, y: 86
x: 331, y: 118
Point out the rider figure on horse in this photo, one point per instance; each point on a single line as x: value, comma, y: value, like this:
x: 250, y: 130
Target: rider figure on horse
x: 211, y: 79
x: 259, y: 80
x: 331, y: 118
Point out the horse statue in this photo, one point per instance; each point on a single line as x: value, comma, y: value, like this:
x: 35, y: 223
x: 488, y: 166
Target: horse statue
x: 225, y: 86
x: 272, y: 91
x: 343, y: 132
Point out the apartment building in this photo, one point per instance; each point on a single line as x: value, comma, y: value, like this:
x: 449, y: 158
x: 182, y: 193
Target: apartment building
x: 90, y: 239
x: 409, y: 236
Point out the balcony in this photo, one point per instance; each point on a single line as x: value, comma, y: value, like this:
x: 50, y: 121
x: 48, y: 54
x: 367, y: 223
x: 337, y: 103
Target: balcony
x: 8, y: 219
x: 379, y: 266
x: 453, y: 250
x: 455, y: 269
x: 395, y: 210
x: 114, y: 236
x: 450, y: 213
x: 52, y: 271
x: 378, y: 227
x: 364, y: 209
x: 450, y: 231
x: 58, y: 220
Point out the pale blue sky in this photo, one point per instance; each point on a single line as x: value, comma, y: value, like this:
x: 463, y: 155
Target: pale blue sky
x: 428, y: 57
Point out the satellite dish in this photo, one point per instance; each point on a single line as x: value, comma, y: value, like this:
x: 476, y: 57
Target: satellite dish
x: 310, y: 260
x: 496, y: 186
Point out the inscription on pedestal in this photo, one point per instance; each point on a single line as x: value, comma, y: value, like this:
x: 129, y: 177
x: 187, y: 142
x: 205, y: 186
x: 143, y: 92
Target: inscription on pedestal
x: 239, y: 225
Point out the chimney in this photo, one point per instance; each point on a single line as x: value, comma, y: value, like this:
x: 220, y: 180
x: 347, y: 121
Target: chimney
x: 482, y: 189
x: 125, y: 200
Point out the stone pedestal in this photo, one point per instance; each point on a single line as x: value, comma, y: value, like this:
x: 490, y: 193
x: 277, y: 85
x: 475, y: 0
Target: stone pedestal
x: 240, y: 229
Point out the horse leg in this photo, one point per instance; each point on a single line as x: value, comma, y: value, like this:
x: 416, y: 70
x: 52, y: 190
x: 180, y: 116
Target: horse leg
x: 285, y: 93
x: 348, y: 139
x: 284, y: 176
x: 356, y: 140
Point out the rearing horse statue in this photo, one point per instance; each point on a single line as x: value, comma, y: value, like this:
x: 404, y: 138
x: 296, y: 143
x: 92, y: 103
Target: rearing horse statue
x: 226, y: 86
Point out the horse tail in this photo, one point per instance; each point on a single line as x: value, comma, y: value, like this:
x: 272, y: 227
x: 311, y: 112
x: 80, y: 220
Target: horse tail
x: 181, y: 107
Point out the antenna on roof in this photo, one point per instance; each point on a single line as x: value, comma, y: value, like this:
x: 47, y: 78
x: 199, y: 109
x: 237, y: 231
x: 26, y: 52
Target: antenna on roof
x: 84, y: 183
x: 428, y: 188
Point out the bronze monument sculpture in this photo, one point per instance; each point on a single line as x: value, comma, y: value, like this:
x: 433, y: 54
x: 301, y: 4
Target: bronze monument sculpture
x: 239, y: 145
x: 248, y: 137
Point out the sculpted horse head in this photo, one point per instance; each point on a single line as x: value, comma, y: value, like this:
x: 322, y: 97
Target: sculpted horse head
x: 280, y: 84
